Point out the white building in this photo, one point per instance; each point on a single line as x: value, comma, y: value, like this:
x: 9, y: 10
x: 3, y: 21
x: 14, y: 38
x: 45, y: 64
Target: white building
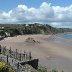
x: 7, y: 34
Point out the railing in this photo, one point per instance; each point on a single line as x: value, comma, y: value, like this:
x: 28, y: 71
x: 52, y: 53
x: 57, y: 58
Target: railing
x: 13, y: 58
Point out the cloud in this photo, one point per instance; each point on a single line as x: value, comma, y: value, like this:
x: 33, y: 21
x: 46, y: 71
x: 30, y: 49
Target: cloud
x: 56, y: 16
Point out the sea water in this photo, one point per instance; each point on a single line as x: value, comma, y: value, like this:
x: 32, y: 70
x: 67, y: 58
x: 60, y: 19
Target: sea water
x: 59, y: 62
x: 65, y: 35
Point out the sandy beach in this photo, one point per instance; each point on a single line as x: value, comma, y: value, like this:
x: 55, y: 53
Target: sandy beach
x: 52, y: 51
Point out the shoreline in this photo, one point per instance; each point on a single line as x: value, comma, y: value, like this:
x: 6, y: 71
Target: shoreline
x: 50, y: 52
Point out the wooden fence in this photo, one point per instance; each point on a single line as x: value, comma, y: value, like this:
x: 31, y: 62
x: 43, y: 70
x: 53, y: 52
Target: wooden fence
x: 15, y: 59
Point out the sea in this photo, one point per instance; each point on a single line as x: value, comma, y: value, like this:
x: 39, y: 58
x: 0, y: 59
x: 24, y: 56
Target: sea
x: 65, y: 35
x: 61, y: 63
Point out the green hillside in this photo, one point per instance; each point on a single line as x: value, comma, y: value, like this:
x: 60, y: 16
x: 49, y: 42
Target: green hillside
x: 21, y: 29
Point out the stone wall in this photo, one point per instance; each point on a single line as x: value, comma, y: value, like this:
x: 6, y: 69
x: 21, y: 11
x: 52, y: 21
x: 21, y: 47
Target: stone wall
x: 33, y: 63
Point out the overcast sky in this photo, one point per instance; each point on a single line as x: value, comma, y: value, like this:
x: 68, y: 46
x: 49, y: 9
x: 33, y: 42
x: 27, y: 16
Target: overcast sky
x: 57, y: 13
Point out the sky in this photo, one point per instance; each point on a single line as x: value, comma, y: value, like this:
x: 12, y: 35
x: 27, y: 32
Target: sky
x: 57, y: 13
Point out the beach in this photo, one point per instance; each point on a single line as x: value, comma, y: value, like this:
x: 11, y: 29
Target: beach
x: 52, y: 51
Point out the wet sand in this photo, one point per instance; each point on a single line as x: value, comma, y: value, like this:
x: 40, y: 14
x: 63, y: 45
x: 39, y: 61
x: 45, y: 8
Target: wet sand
x: 52, y: 51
